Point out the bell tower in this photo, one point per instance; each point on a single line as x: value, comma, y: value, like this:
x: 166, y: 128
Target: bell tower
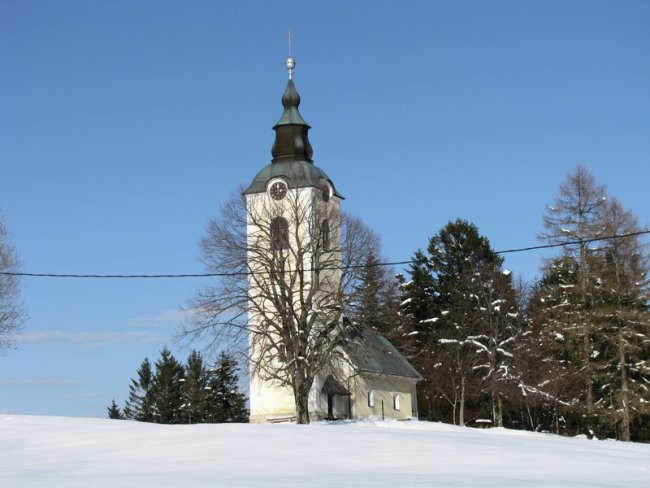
x: 293, y: 235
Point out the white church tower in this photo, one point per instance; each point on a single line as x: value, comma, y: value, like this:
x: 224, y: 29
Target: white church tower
x: 293, y: 244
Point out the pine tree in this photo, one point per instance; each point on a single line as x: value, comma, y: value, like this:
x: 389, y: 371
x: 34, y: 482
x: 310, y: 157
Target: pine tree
x: 114, y: 411
x: 140, y: 405
x: 166, y: 388
x: 225, y: 403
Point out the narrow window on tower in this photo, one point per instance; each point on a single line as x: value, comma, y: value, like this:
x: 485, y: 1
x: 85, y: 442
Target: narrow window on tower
x: 325, y: 235
x: 279, y: 234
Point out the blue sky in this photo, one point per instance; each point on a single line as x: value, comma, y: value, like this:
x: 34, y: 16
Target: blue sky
x: 126, y: 124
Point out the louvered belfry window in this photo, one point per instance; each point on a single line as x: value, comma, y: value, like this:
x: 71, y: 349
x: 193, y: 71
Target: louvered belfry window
x: 279, y: 234
x: 325, y: 235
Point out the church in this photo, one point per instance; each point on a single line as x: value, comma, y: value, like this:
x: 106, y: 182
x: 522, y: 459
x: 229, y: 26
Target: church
x: 295, y: 255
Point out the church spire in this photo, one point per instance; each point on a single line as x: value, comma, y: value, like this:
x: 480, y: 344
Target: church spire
x: 291, y: 141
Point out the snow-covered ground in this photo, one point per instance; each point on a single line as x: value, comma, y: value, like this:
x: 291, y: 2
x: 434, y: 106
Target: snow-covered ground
x: 72, y: 452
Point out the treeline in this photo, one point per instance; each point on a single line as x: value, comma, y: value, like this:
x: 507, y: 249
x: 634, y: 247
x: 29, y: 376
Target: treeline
x: 567, y: 354
x: 173, y: 393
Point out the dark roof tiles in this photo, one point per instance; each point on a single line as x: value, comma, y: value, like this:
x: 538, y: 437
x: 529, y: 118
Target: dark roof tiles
x: 371, y: 352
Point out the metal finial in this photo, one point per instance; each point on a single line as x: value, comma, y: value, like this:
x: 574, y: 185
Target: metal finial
x: 290, y: 63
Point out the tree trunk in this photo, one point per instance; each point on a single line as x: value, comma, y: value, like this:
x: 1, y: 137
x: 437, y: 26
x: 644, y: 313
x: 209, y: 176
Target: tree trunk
x: 530, y: 416
x: 586, y: 328
x: 301, y: 397
x: 461, y: 415
x: 624, y: 390
x: 499, y: 411
x: 588, y: 373
x: 494, y: 406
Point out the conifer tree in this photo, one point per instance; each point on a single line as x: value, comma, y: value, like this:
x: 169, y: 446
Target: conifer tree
x: 575, y: 218
x: 190, y: 393
x: 552, y: 376
x: 194, y: 392
x: 225, y: 403
x: 114, y: 411
x: 374, y: 300
x: 417, y: 298
x: 166, y: 388
x: 593, y: 308
x: 622, y: 350
x: 462, y: 309
x: 365, y: 306
x: 498, y: 329
x: 140, y: 405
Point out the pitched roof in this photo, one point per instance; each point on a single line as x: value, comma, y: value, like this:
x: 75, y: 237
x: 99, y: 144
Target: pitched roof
x: 371, y: 352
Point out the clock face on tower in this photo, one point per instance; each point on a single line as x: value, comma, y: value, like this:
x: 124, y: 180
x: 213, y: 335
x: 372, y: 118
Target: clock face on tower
x: 278, y: 190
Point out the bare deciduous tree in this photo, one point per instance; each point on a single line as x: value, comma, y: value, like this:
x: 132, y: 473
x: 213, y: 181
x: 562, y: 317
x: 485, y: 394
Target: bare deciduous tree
x: 577, y: 216
x: 285, y: 268
x: 623, y: 317
x: 12, y: 313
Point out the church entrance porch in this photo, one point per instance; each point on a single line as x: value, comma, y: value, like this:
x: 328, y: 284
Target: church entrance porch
x: 338, y: 399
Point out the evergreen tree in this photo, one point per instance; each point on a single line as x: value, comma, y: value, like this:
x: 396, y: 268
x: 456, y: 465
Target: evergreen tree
x: 225, y: 403
x: 417, y: 303
x: 140, y: 405
x: 114, y: 411
x: 416, y: 309
x: 166, y: 388
x: 194, y: 390
x: 462, y: 309
x: 374, y: 300
x: 366, y: 305
x: 462, y: 262
x: 552, y: 375
x: 499, y: 326
x: 174, y: 393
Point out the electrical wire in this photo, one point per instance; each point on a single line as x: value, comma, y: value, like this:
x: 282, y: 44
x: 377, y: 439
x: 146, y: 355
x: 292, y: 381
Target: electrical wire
x: 354, y: 266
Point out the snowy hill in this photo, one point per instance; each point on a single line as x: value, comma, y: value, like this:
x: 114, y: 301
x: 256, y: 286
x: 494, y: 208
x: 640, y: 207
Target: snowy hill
x: 71, y: 452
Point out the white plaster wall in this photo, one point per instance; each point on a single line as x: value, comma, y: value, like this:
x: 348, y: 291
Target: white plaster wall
x: 384, y: 387
x: 269, y: 399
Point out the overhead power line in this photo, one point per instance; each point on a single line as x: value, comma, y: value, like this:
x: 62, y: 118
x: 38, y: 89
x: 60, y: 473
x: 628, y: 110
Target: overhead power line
x: 356, y: 266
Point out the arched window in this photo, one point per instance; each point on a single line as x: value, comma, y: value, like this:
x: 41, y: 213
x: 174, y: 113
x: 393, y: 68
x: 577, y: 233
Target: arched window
x: 279, y: 234
x: 325, y: 235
